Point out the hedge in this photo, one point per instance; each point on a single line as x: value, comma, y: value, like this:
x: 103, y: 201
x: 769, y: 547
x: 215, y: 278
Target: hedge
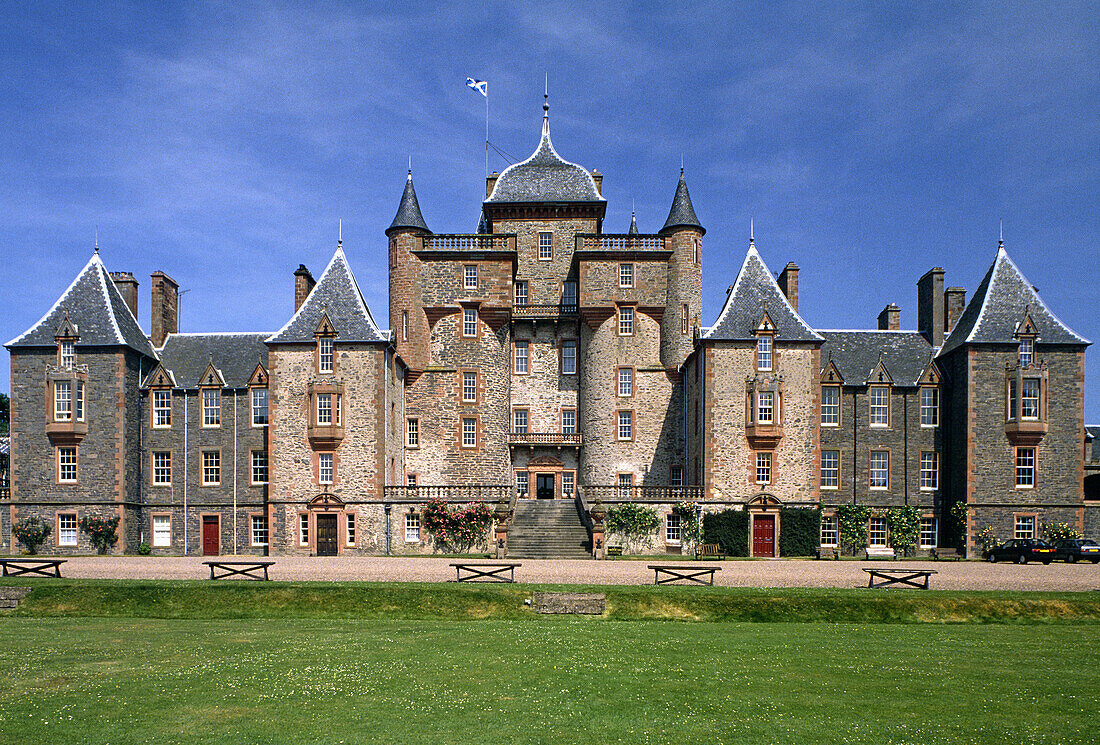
x: 729, y: 529
x: 799, y: 531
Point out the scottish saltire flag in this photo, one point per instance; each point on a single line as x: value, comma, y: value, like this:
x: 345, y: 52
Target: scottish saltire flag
x: 481, y: 86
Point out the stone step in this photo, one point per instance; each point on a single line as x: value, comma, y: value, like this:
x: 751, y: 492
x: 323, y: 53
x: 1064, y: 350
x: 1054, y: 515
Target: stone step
x: 10, y: 597
x: 547, y: 529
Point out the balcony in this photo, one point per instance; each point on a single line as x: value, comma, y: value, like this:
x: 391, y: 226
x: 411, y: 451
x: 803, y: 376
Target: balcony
x: 325, y: 436
x: 1025, y: 432
x: 448, y: 493
x: 664, y: 493
x: 560, y: 310
x: 469, y: 242
x: 540, y: 439
x: 764, y: 436
x: 621, y: 242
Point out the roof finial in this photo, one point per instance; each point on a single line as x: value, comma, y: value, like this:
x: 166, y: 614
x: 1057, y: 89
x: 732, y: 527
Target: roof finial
x: 97, y: 239
x: 1001, y: 241
x: 752, y: 236
x: 340, y: 234
x: 681, y: 164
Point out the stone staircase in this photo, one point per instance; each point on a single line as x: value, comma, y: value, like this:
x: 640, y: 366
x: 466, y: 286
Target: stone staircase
x: 548, y: 529
x: 10, y: 597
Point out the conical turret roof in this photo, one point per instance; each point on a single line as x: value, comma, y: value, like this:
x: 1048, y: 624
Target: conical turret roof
x: 633, y: 225
x: 682, y: 213
x: 408, y: 212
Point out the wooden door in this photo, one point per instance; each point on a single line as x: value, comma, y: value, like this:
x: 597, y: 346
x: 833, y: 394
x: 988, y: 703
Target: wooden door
x: 211, y: 535
x: 545, y: 486
x: 763, y: 535
x: 326, y: 535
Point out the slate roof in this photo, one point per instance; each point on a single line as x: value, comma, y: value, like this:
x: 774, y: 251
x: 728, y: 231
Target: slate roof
x: 95, y: 307
x: 545, y: 177
x: 754, y: 291
x: 408, y: 211
x: 234, y: 355
x: 999, y: 304
x: 905, y: 354
x: 337, y: 295
x: 682, y: 214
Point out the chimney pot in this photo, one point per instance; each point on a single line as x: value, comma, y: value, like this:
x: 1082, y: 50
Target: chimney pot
x: 788, y: 283
x: 164, y: 313
x: 128, y: 288
x: 303, y: 285
x: 930, y: 315
x: 890, y: 318
x: 955, y: 302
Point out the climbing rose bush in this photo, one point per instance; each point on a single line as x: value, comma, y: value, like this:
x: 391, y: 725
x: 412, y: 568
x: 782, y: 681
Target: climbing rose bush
x: 458, y: 529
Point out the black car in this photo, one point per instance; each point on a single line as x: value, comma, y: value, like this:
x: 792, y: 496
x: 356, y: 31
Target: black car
x: 1077, y: 549
x: 1021, y: 551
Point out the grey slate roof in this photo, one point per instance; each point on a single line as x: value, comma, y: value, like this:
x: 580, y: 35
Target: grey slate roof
x: 905, y: 354
x: 682, y: 214
x: 999, y: 304
x: 545, y: 177
x: 337, y: 295
x: 234, y: 355
x: 754, y: 291
x: 408, y: 212
x: 633, y: 225
x: 95, y: 307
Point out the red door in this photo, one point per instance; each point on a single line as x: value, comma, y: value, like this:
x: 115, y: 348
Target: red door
x: 763, y: 535
x: 211, y: 543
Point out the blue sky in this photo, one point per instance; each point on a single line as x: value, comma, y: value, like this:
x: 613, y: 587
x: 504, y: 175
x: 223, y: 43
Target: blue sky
x: 869, y: 142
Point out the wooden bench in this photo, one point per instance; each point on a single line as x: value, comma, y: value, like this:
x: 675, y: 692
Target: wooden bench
x: 917, y: 578
x: 828, y: 552
x: 688, y: 573
x: 249, y: 569
x: 879, y: 552
x: 710, y: 551
x: 949, y: 554
x: 485, y: 572
x: 33, y: 567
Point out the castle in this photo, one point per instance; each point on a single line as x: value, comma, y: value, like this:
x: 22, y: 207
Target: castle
x: 542, y: 362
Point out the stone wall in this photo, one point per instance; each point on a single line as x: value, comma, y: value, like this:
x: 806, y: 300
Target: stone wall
x: 544, y: 278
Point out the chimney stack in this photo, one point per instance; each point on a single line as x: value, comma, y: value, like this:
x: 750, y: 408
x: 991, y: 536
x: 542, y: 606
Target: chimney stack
x: 890, y: 318
x: 303, y: 285
x: 788, y: 283
x: 930, y: 316
x: 490, y: 182
x: 955, y: 300
x: 128, y: 288
x: 598, y: 178
x: 164, y: 313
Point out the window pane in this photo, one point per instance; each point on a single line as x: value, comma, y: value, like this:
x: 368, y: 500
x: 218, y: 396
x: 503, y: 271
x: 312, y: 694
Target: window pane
x: 830, y: 469
x: 66, y: 529
x: 626, y: 381
x: 672, y: 528
x: 880, y: 406
x: 413, y: 433
x: 546, y: 246
x: 1029, y: 399
x: 569, y: 357
x: 830, y: 404
x: 162, y: 531
x: 62, y: 400
x: 877, y: 534
x: 830, y: 530
x: 259, y: 406
x: 211, y: 407
x: 569, y: 421
x: 469, y: 277
x: 929, y: 470
x: 469, y: 322
x: 626, y: 321
x: 880, y: 461
x: 469, y: 386
x: 763, y: 468
x: 325, y: 468
x: 211, y: 467
x: 763, y: 353
x: 162, y: 408
x: 259, y: 530
x: 521, y: 292
x: 626, y: 425
x: 523, y: 481
x: 412, y: 528
x: 259, y: 466
x: 521, y: 356
x: 626, y: 275
x: 765, y: 408
x: 1025, y: 526
x: 469, y: 433
x: 1025, y: 466
x: 325, y: 354
x: 928, y: 532
x: 520, y: 421
x: 162, y: 468
x: 929, y: 407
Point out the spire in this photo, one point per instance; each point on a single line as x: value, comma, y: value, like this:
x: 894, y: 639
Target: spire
x: 633, y: 224
x: 408, y: 212
x: 546, y: 116
x: 682, y: 214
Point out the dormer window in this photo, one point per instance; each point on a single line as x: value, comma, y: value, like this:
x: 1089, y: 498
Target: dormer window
x: 763, y: 353
x: 68, y: 354
x: 259, y: 407
x: 1027, y: 352
x: 211, y: 407
x: 324, y: 354
x: 162, y: 409
x: 879, y: 397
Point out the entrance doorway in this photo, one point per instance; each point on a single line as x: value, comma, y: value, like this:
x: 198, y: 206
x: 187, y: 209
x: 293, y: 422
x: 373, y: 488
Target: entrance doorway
x: 763, y: 535
x: 211, y: 535
x: 326, y: 535
x: 544, y: 487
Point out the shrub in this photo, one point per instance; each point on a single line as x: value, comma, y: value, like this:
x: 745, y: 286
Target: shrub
x: 958, y: 523
x: 103, y: 533
x: 144, y: 549
x: 1059, y: 531
x: 729, y: 529
x: 800, y: 531
x: 32, y: 533
x: 986, y: 538
x: 904, y: 526
x: 689, y: 525
x: 459, y: 529
x: 852, y: 519
x: 634, y: 522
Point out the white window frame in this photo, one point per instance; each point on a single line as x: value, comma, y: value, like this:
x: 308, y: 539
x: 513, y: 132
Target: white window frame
x: 324, y: 408
x: 523, y: 483
x: 326, y: 354
x: 349, y: 528
x: 162, y: 468
x: 765, y: 351
x: 765, y: 407
x: 162, y: 409
x: 1023, y: 526
x: 412, y: 527
x: 673, y: 529
x: 469, y: 387
x: 1027, y: 352
x: 929, y: 529
x: 546, y: 246
x: 67, y: 531
x: 763, y: 468
x: 259, y: 473
x: 569, y: 293
x: 162, y: 531
x: 626, y: 485
x: 830, y: 410
x: 626, y: 426
x: 469, y: 432
x: 626, y: 382
x: 412, y: 432
x: 258, y: 533
x: 1025, y: 467
x: 326, y: 468
x: 63, y: 400
x: 878, y: 476
x: 569, y: 357
x: 211, y: 467
x: 626, y: 320
x: 520, y: 421
x: 520, y: 293
x: 67, y: 464
x: 878, y: 402
x: 569, y: 427
x: 830, y: 472
x: 929, y: 406
x: 469, y: 277
x: 568, y: 483
x: 876, y: 531
x: 303, y: 528
x: 260, y: 408
x: 1029, y: 399
x: 626, y: 276
x: 929, y: 470
x: 469, y: 322
x: 211, y: 407
x: 68, y: 355
x: 830, y: 531
x: 522, y: 355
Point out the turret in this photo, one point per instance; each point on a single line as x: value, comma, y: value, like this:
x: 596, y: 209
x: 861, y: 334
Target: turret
x: 684, y: 236
x: 407, y: 319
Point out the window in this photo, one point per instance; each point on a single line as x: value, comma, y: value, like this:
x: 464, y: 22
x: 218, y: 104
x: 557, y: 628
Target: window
x: 1029, y: 399
x: 763, y: 468
x: 879, y: 397
x: 1025, y: 468
x: 412, y: 527
x: 1024, y: 526
x: 325, y: 467
x: 546, y: 246
x: 303, y: 529
x: 259, y: 467
x: 569, y: 357
x: 626, y: 275
x: 469, y: 321
x: 412, y: 433
x: 469, y: 277
x: 162, y: 468
x: 259, y: 530
x: 63, y: 400
x: 324, y: 354
x: 568, y: 483
x: 1012, y: 400
x: 519, y: 421
x: 684, y: 318
x: 469, y: 387
x: 324, y: 408
x: 522, y: 348
x: 569, y: 421
x: 830, y: 469
x: 569, y: 294
x: 523, y: 483
x: 830, y: 530
x: 66, y: 529
x: 765, y: 409
x: 930, y: 470
x: 211, y: 467
x: 350, y: 523
x: 876, y: 535
x: 68, y: 354
x: 211, y: 407
x: 928, y: 532
x: 162, y: 409
x: 676, y: 477
x: 929, y: 407
x: 626, y: 381
x: 259, y: 407
x: 404, y: 325
x: 79, y: 401
x: 521, y: 292
x: 880, y: 468
x: 626, y: 425
x: 1027, y: 351
x: 66, y: 465
x: 162, y: 531
x: 626, y: 321
x: 763, y: 353
x: 672, y: 528
x: 830, y: 405
x: 469, y: 432
x: 626, y: 485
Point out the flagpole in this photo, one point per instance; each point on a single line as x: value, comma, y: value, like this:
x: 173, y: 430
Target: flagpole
x: 486, y: 129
